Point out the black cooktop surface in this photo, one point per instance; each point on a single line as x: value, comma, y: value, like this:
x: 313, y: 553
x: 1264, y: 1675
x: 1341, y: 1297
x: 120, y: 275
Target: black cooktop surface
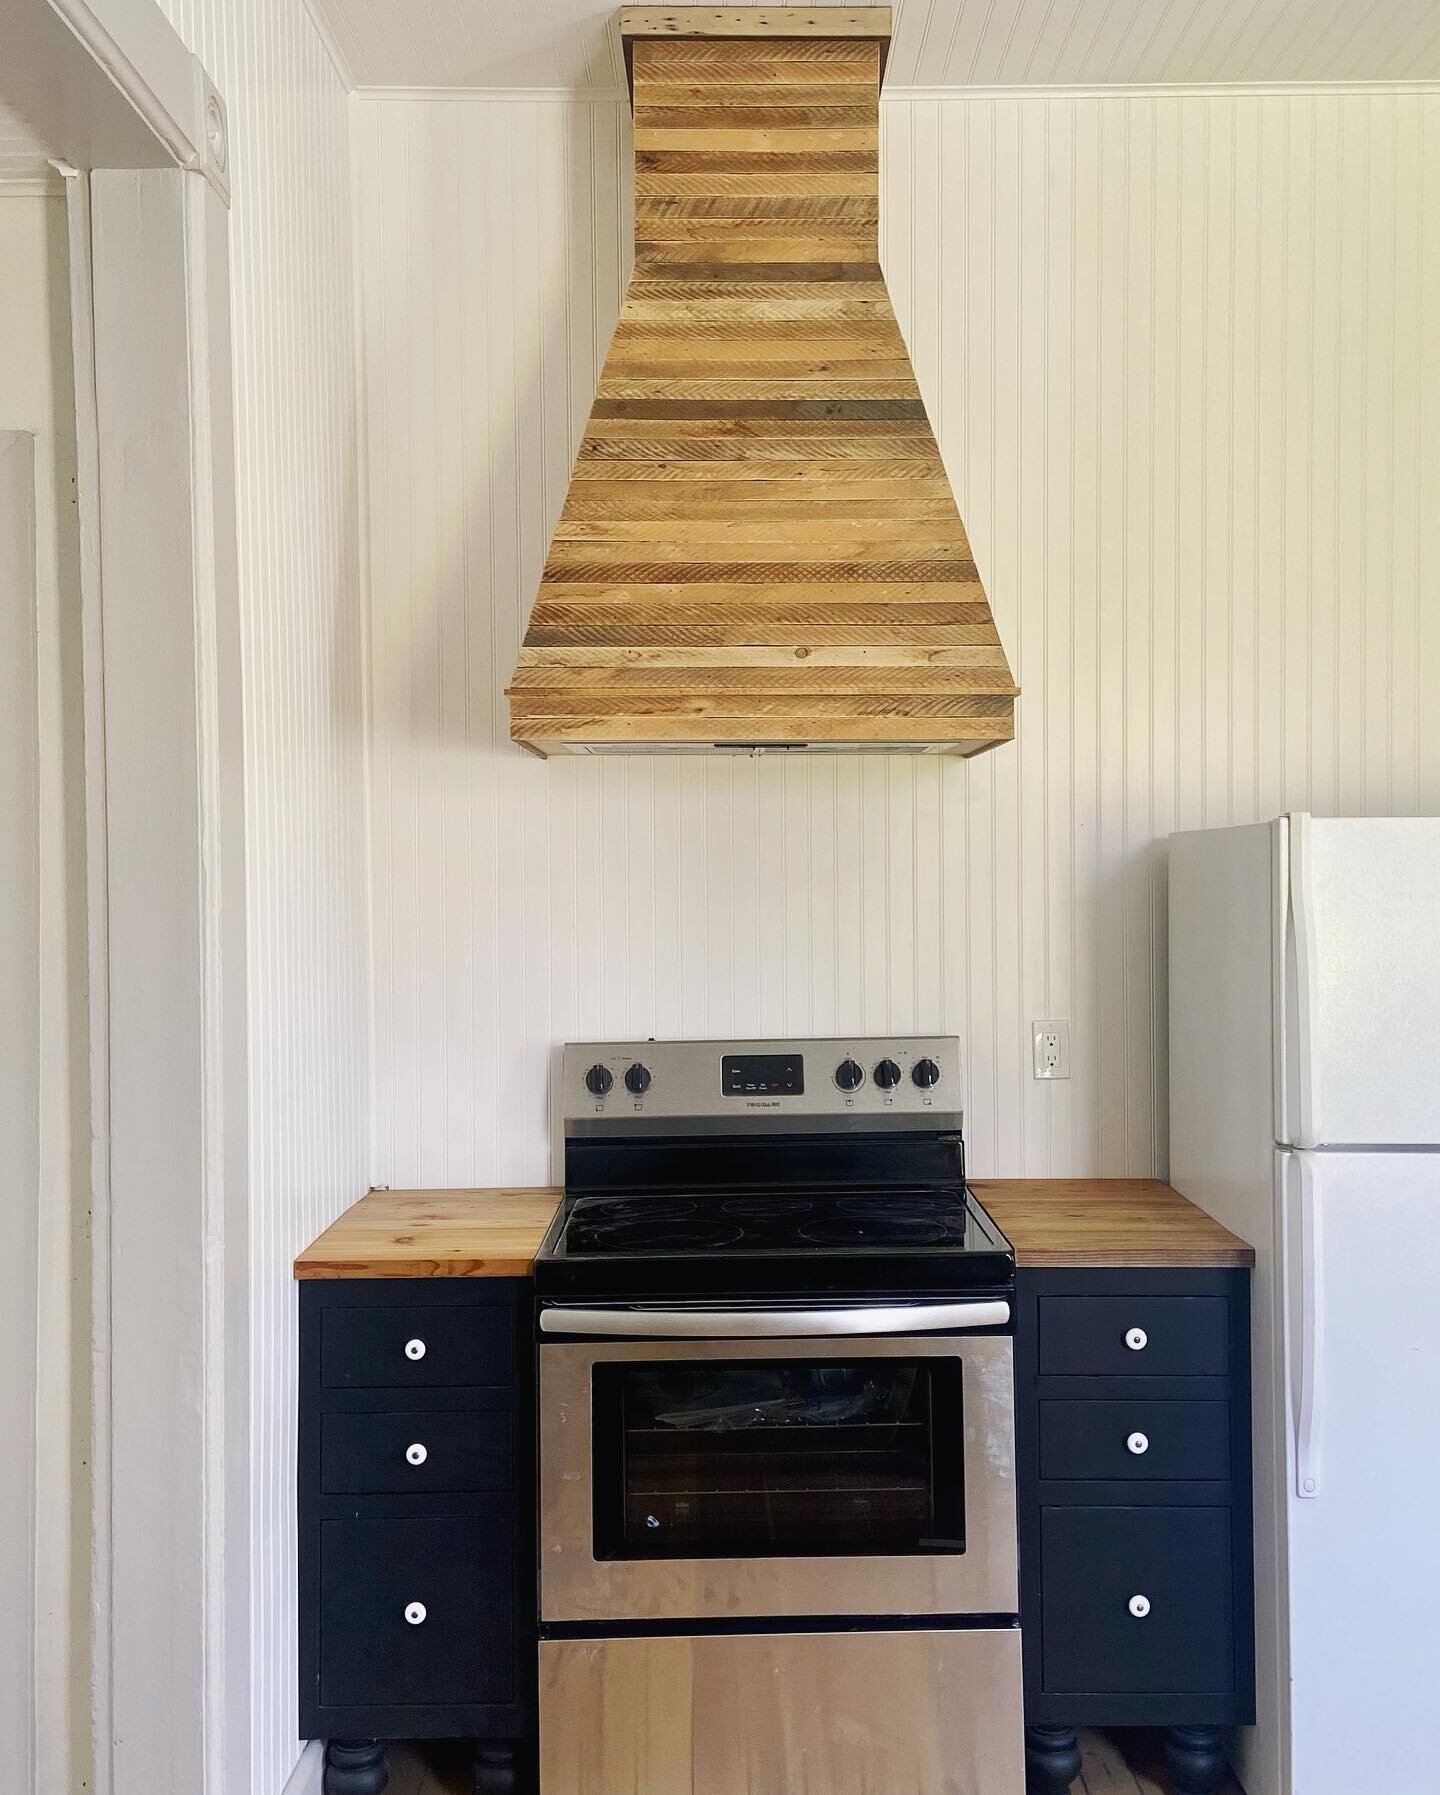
x: 717, y: 1242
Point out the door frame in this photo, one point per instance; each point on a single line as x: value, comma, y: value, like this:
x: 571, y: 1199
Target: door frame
x: 20, y: 1088
x: 139, y: 131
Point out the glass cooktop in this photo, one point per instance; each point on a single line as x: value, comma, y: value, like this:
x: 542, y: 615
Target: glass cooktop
x: 809, y: 1237
x: 794, y: 1222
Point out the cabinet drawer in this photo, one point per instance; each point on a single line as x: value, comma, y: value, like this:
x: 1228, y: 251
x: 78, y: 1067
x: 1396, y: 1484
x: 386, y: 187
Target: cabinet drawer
x: 416, y: 1345
x: 377, y: 1454
x: 1096, y: 1561
x: 417, y: 1613
x: 1142, y: 1441
x: 1134, y: 1336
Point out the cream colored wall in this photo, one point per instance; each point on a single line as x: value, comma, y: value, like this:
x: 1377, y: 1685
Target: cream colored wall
x: 302, y: 628
x: 37, y: 396
x: 1183, y: 356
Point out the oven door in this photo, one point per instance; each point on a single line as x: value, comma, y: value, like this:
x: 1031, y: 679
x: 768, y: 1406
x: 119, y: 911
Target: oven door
x: 750, y: 1478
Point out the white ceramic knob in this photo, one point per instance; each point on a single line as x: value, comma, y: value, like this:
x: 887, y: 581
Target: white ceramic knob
x: 1139, y: 1606
x: 414, y: 1349
x: 1137, y: 1443
x: 417, y: 1455
x: 1137, y: 1339
x: 415, y: 1611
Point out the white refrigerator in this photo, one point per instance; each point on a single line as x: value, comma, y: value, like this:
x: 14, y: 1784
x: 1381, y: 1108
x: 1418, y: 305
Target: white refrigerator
x: 1305, y: 1115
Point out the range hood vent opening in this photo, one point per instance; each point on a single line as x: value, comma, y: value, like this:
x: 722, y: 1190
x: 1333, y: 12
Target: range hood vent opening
x: 759, y: 551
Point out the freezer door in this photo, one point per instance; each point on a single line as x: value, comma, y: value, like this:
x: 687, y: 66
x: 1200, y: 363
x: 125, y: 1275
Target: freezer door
x: 903, y: 1713
x: 1362, y: 1338
x: 1362, y: 974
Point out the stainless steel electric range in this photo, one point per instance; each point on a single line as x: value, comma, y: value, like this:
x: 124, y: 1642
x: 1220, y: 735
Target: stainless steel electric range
x: 777, y: 1465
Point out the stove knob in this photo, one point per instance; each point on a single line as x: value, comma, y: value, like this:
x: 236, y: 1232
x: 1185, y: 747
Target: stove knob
x: 925, y: 1073
x: 598, y: 1080
x: 849, y: 1075
x: 887, y: 1075
x: 637, y: 1080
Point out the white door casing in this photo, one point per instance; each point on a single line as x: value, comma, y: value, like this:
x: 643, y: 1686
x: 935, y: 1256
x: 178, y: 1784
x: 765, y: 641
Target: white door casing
x: 19, y: 1093
x: 176, y: 1331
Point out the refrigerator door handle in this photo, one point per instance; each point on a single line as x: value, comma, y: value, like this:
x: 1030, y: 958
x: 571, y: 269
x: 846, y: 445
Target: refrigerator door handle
x: 1306, y: 982
x: 1308, y: 1335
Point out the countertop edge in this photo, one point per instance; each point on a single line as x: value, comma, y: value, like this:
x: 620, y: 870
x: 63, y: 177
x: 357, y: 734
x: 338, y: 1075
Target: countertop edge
x: 1062, y: 1202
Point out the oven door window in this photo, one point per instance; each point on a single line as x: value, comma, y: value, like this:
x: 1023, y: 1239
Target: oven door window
x: 760, y: 1459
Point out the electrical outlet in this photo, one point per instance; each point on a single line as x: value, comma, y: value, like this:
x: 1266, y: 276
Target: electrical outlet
x: 1052, y: 1049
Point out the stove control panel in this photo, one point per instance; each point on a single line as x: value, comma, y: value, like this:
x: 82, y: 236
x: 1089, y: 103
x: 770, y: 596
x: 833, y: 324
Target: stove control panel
x: 762, y: 1074
x: 904, y: 1081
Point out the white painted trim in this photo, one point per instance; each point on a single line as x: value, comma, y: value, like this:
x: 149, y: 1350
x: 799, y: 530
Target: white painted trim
x: 147, y: 59
x: 33, y: 187
x: 21, y: 1090
x: 92, y: 650
x: 1233, y: 90
x: 330, y: 43
x: 177, y: 1376
x: 1169, y: 90
x: 308, y: 1775
x: 578, y: 96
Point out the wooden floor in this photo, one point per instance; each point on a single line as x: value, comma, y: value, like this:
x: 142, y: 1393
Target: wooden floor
x: 1125, y: 1765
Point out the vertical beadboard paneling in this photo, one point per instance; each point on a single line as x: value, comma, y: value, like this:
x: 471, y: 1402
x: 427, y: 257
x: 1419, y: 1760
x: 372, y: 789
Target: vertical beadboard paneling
x: 303, y: 621
x: 1184, y: 363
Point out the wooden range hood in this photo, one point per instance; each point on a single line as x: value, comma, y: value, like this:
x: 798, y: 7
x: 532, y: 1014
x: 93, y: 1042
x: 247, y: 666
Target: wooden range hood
x: 759, y: 548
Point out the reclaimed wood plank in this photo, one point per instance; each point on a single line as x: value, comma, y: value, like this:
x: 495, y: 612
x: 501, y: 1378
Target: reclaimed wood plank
x: 759, y: 534
x: 827, y: 24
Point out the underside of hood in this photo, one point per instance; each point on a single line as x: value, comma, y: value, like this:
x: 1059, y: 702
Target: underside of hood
x: 759, y: 548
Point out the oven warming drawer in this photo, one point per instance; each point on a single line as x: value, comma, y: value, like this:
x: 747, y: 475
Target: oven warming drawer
x: 933, y: 1712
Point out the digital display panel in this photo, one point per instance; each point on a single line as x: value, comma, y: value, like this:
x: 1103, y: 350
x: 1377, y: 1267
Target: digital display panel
x: 762, y: 1074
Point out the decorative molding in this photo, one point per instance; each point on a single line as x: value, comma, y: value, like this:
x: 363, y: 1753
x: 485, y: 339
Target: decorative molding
x: 33, y: 187
x: 583, y: 96
x: 147, y: 60
x: 1169, y: 90
x: 895, y: 92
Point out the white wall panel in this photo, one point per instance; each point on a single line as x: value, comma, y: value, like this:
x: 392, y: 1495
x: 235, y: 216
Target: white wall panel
x: 303, y: 623
x: 1184, y: 361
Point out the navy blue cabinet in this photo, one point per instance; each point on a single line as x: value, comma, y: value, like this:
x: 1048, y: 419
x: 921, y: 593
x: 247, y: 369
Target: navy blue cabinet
x: 1133, y: 1443
x: 416, y: 1521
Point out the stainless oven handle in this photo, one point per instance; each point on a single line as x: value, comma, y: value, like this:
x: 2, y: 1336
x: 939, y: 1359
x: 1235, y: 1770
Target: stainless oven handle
x: 773, y: 1324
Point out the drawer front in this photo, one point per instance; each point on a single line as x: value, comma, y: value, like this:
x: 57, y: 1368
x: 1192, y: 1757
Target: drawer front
x: 417, y: 1613
x: 1134, y: 1336
x: 1141, y: 1441
x: 410, y: 1347
x: 1174, y: 1564
x: 380, y: 1454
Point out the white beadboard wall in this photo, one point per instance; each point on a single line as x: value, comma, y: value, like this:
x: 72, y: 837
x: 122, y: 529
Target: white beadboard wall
x: 1183, y: 355
x: 303, y: 632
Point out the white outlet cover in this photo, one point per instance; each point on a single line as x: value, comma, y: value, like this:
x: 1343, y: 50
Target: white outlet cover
x: 1051, y: 1043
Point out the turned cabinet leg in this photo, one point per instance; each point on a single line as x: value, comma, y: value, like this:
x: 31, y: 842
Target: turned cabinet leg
x: 494, y: 1768
x: 1052, y: 1759
x: 355, y: 1767
x: 1196, y: 1758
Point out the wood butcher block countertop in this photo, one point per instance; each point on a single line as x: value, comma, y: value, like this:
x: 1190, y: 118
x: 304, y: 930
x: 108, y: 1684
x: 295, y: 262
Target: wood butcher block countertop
x: 495, y: 1233
x: 1106, y: 1221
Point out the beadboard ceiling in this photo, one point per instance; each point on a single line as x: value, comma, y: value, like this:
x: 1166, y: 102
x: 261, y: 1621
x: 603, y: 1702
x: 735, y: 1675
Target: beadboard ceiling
x: 938, y: 43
